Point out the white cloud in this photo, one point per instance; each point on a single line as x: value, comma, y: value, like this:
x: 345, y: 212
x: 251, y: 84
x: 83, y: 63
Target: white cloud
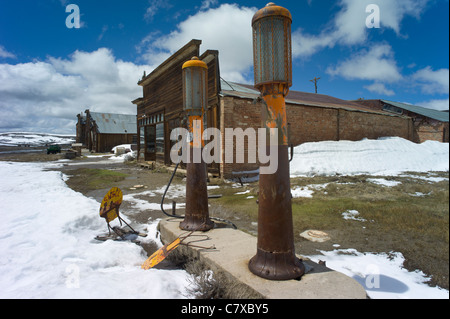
x: 304, y: 45
x: 228, y: 30
x: 102, y: 34
x: 431, y: 81
x: 5, y: 54
x: 380, y: 88
x: 377, y: 64
x: 440, y: 105
x: 206, y: 4
x: 154, y: 7
x: 47, y: 96
x: 349, y: 27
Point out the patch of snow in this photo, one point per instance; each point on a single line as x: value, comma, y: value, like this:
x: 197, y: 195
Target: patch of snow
x: 307, y: 191
x: 383, y: 182
x: 302, y: 192
x: 384, y: 157
x: 352, y: 215
x: 48, y: 251
x: 382, y: 275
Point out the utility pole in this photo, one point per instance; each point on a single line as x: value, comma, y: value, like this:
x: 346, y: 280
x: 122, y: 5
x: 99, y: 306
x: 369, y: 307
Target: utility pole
x: 315, y: 80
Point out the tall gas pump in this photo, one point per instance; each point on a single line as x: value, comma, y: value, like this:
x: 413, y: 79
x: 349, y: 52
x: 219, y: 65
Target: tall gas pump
x: 275, y: 258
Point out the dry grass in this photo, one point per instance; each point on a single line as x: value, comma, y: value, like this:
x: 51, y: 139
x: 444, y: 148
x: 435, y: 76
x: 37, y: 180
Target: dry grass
x: 85, y: 179
x: 208, y: 284
x: 411, y: 217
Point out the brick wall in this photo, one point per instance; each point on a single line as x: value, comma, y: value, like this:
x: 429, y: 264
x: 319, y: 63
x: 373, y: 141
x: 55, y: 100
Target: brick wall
x: 423, y: 129
x: 430, y: 130
x: 237, y: 113
x: 308, y: 124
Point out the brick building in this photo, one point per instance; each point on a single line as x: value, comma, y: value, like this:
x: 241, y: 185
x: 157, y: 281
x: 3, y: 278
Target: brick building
x: 428, y: 124
x: 313, y: 117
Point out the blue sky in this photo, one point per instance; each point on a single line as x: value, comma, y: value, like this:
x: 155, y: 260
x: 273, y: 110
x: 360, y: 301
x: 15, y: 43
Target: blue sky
x: 49, y: 73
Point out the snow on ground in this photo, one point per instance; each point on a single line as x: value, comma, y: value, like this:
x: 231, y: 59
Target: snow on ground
x: 382, y: 275
x: 385, y: 156
x: 46, y: 235
x: 307, y: 191
x: 384, y: 182
x: 352, y: 215
x: 47, y: 246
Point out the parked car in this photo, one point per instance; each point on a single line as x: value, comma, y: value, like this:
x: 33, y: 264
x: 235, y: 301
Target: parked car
x: 53, y: 149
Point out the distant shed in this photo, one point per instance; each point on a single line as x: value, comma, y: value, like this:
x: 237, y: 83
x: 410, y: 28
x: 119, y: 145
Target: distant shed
x: 100, y: 132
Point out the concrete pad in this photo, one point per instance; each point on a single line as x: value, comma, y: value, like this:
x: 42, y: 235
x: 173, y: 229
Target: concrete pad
x: 235, y: 248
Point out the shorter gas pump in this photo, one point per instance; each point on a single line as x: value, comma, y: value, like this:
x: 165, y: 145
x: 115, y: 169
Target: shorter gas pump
x: 195, y: 103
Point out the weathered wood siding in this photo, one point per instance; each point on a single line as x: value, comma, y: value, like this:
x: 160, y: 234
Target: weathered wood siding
x: 163, y: 92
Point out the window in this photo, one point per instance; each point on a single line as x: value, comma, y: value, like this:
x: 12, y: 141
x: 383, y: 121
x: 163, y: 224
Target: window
x: 392, y: 109
x: 160, y: 138
x: 150, y: 136
x: 142, y: 142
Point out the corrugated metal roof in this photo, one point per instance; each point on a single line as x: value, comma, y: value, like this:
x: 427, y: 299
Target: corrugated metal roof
x: 299, y: 98
x: 231, y: 86
x: 434, y: 114
x: 108, y: 123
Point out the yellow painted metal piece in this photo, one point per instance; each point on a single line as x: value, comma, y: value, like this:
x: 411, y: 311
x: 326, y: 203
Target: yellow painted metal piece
x: 109, y: 207
x: 275, y: 117
x: 195, y: 62
x: 160, y: 254
x: 196, y: 127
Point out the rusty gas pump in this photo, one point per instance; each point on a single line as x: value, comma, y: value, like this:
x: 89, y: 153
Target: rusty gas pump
x: 275, y: 258
x: 195, y: 102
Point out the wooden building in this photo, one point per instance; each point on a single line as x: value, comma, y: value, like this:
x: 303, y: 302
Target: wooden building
x: 100, y: 132
x: 313, y: 117
x: 160, y: 110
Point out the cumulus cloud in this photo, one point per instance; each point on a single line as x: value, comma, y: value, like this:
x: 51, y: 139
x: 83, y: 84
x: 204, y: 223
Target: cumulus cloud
x: 375, y: 64
x: 228, y: 30
x: 440, y: 105
x: 431, y: 81
x: 349, y: 25
x: 47, y: 95
x: 379, y: 88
